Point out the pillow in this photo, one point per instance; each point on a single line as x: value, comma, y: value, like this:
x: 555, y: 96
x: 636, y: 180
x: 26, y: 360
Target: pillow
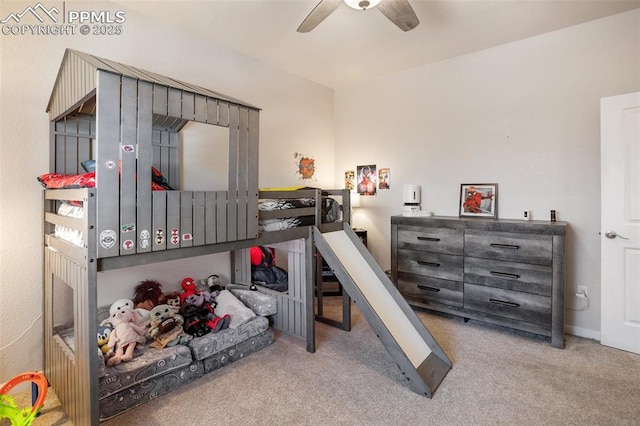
x: 229, y: 304
x: 89, y: 165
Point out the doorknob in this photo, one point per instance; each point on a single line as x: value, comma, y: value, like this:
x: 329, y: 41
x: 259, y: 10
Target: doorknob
x: 612, y: 234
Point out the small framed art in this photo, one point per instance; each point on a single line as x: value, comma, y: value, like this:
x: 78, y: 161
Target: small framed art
x: 479, y: 200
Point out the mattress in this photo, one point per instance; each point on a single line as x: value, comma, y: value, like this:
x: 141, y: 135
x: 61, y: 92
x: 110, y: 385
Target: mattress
x: 153, y: 387
x: 239, y: 351
x: 209, y: 344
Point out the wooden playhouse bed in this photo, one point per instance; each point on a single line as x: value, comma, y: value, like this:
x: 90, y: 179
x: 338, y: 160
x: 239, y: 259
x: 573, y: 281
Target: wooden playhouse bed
x: 129, y: 120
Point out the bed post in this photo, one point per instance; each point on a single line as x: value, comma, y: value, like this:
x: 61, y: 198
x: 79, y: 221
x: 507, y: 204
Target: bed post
x: 309, y: 277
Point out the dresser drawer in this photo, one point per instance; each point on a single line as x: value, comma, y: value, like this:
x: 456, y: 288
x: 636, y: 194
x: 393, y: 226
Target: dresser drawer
x: 498, y: 302
x: 444, y: 266
x: 535, y: 249
x: 425, y: 289
x: 437, y: 240
x: 535, y: 279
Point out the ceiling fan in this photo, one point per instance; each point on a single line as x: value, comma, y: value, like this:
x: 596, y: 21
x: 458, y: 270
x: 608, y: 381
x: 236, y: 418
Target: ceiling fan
x: 397, y: 11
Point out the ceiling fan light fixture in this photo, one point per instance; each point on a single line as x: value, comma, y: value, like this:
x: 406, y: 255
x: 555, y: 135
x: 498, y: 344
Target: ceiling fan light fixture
x: 362, y: 4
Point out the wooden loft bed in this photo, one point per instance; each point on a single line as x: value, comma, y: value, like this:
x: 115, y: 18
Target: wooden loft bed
x: 129, y: 120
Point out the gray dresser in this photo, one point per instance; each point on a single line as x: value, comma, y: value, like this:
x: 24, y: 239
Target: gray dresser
x: 505, y: 272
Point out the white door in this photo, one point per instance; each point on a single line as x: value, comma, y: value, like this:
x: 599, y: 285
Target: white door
x: 620, y: 227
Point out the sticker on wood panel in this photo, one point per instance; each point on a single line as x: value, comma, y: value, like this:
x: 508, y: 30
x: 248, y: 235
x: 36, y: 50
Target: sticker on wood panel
x: 145, y: 239
x: 128, y: 228
x: 159, y: 236
x: 175, y: 236
x: 127, y: 245
x: 107, y: 238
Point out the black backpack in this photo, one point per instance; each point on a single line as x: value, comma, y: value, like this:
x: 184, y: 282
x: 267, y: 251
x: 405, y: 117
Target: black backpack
x: 267, y: 274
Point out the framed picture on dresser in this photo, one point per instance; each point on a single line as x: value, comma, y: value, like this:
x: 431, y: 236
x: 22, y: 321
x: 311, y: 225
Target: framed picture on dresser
x: 479, y: 200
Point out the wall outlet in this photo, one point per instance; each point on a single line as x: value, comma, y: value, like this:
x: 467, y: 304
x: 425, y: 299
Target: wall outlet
x: 582, y: 291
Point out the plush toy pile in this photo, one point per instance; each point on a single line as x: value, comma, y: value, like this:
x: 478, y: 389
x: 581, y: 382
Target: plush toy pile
x: 160, y: 319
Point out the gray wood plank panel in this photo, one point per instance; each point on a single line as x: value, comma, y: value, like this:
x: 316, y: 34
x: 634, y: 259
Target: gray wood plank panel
x: 173, y: 219
x: 558, y: 289
x: 224, y: 113
x: 108, y: 155
x: 71, y: 147
x: 211, y: 214
x: 128, y: 172
x: 242, y: 172
x: 84, y: 143
x: 165, y: 168
x: 252, y: 178
x: 156, y: 139
x: 160, y: 98
x: 60, y: 144
x: 160, y: 232
x: 221, y: 216
x: 186, y: 219
x: 52, y: 146
x: 212, y: 111
x: 200, y: 109
x: 188, y: 106
x: 198, y: 218
x: 145, y: 155
x: 232, y: 200
x: 175, y: 103
x: 174, y: 161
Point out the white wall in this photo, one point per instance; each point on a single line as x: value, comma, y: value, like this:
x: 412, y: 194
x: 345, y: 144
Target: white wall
x: 524, y: 115
x: 297, y: 117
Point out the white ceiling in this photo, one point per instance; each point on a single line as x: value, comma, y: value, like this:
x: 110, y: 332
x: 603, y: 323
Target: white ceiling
x: 351, y: 45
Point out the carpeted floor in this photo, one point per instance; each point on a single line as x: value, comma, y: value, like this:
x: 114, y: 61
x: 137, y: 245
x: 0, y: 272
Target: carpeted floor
x: 499, y: 377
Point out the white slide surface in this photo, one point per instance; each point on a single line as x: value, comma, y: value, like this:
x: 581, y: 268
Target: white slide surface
x: 395, y: 320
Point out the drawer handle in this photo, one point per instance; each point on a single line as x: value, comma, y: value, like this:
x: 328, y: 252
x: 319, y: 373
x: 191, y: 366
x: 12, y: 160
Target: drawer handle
x: 504, y: 303
x: 428, y: 239
x: 505, y: 246
x: 504, y: 275
x: 432, y: 289
x: 434, y: 264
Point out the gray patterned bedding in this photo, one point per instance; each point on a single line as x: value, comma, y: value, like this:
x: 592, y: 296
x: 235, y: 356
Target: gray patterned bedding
x: 329, y: 210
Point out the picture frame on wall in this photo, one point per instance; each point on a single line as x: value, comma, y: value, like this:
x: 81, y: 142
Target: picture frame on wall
x: 479, y: 200
x: 367, y: 177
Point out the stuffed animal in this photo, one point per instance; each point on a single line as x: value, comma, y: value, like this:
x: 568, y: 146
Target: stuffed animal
x: 173, y: 300
x: 211, y: 284
x: 188, y: 285
x: 126, y: 333
x: 147, y: 294
x: 199, y: 316
x: 166, y: 327
x: 104, y: 331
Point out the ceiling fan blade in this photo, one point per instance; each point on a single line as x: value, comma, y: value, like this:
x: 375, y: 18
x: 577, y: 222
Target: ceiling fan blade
x: 318, y: 14
x: 400, y: 13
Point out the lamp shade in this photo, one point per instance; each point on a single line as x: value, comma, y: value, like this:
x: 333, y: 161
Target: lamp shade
x: 362, y: 4
x: 355, y: 200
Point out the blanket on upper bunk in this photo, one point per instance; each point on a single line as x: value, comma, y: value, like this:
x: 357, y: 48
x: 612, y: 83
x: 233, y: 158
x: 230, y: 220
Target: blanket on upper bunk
x: 329, y: 212
x: 88, y: 179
